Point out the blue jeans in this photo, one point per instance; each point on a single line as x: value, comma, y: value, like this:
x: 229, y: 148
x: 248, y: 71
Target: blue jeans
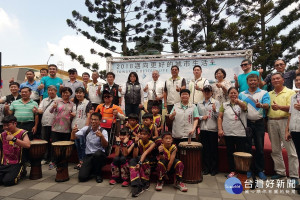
x: 80, y: 146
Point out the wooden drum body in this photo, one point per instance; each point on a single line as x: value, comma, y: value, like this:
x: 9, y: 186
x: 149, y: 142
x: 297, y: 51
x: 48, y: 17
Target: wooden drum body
x: 37, y: 150
x: 242, y: 161
x: 62, y: 151
x: 191, y: 156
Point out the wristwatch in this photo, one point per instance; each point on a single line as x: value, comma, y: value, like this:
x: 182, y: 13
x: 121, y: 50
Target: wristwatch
x: 140, y: 162
x: 14, y: 139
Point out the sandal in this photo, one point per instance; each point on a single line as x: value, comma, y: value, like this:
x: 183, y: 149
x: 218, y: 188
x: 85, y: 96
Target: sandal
x: 78, y: 166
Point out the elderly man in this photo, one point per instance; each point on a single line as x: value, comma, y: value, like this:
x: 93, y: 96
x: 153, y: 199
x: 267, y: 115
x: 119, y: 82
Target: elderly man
x: 185, y: 118
x: 12, y: 142
x: 172, y: 88
x: 288, y: 77
x: 50, y: 80
x: 47, y: 117
x: 278, y: 117
x: 33, y: 85
x: 155, y: 90
x: 258, y: 102
x: 25, y: 110
x: 94, y: 90
x: 72, y: 83
x: 196, y: 85
x: 96, y: 142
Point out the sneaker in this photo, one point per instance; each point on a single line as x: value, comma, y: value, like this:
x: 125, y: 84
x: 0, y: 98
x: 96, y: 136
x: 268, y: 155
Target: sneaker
x: 159, y: 186
x: 136, y: 191
x: 125, y: 184
x: 213, y: 173
x: 181, y: 186
x: 51, y: 166
x: 112, y: 182
x: 249, y: 174
x: 205, y: 172
x: 262, y: 176
x: 146, y: 185
x: 231, y: 174
x: 277, y: 176
x: 43, y: 162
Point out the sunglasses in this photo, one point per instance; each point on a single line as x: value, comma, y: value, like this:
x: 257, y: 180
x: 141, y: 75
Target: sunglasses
x: 106, y: 97
x: 243, y: 65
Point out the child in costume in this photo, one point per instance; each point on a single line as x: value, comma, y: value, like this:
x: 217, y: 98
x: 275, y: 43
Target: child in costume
x: 133, y: 125
x: 157, y: 118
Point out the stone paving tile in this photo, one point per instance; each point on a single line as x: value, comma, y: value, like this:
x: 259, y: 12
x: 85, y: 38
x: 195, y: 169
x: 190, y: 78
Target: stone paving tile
x: 182, y: 196
x: 191, y: 191
x: 225, y: 195
x: 59, y: 187
x: 256, y: 196
x: 119, y: 193
x: 67, y: 196
x: 279, y: 197
x: 167, y: 189
x: 45, y: 195
x: 210, y: 183
x: 89, y: 197
x: 209, y: 198
x: 112, y: 198
x: 160, y: 196
x: 10, y: 198
x: 25, y: 193
x: 42, y: 185
x: 98, y: 191
x: 80, y: 189
x: 209, y: 193
x: 147, y: 195
x: 6, y: 191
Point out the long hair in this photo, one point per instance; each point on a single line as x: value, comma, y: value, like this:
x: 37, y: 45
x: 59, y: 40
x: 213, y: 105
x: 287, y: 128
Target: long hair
x: 79, y: 89
x: 136, y: 76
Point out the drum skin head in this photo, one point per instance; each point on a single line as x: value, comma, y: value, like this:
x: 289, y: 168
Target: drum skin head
x: 33, y: 142
x: 62, y: 143
x: 242, y: 154
x: 191, y: 145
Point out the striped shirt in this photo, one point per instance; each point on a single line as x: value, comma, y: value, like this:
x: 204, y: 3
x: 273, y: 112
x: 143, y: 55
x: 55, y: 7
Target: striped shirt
x: 23, y: 112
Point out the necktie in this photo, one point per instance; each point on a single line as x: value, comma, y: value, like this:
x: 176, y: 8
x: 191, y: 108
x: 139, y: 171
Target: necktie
x: 154, y: 90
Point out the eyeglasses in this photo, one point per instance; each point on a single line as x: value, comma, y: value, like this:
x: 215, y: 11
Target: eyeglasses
x: 280, y: 64
x: 243, y: 65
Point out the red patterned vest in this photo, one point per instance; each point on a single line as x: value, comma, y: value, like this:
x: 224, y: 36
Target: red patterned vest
x: 12, y: 153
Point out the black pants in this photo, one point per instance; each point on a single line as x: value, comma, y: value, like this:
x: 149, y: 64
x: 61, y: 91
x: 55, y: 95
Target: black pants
x: 92, y: 165
x: 10, y: 174
x: 296, y: 140
x: 150, y: 104
x: 235, y: 144
x: 95, y: 105
x: 56, y: 136
x: 209, y: 141
x: 258, y: 129
x: 46, y: 135
x: 132, y: 108
x: 28, y: 127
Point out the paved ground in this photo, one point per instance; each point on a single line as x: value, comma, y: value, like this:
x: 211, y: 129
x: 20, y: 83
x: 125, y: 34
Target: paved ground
x: 212, y: 188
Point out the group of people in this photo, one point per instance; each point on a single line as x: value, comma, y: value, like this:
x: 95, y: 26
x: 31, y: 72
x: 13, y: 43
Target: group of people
x: 87, y: 112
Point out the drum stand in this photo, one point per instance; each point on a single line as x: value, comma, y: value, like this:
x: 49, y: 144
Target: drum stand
x: 36, y: 169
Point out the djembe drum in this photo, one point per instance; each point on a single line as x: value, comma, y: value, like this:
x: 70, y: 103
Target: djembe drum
x: 168, y: 123
x: 242, y: 161
x: 37, y: 150
x: 191, y: 156
x: 62, y: 151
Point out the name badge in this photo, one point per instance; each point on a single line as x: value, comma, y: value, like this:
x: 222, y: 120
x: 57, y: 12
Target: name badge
x: 103, y: 120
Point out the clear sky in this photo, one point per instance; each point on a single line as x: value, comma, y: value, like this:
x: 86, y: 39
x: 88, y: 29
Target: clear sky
x: 31, y: 30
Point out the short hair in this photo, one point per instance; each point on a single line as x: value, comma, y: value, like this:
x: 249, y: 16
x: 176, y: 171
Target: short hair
x: 110, y: 73
x: 44, y: 69
x: 133, y: 116
x: 146, y: 130
x: 156, y: 105
x: 8, y: 119
x: 279, y: 60
x: 297, y: 74
x: 185, y: 90
x: 52, y: 65
x: 14, y: 83
x: 232, y: 88
x: 175, y: 66
x: 124, y: 131
x: 147, y: 116
x: 97, y: 114
x: 65, y: 89
x: 247, y: 60
x: 221, y: 70
x: 30, y: 70
x: 85, y: 73
x: 29, y: 89
x: 166, y: 133
x: 155, y: 71
x: 52, y: 87
x: 252, y: 76
x: 276, y: 73
x: 198, y: 67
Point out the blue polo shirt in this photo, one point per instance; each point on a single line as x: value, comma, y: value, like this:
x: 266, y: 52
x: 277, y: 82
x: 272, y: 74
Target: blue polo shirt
x: 35, y: 93
x: 242, y: 79
x: 47, y: 81
x: 262, y: 96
